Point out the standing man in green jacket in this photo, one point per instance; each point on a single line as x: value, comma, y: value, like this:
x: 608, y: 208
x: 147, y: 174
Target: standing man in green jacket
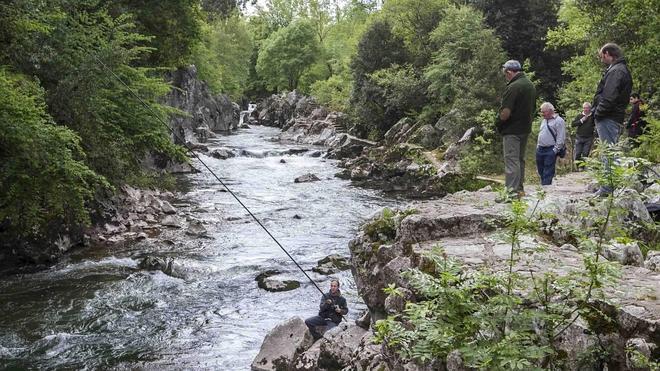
x: 514, y: 122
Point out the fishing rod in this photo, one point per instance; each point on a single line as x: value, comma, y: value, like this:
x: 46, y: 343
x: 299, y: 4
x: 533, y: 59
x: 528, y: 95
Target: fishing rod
x: 195, y: 155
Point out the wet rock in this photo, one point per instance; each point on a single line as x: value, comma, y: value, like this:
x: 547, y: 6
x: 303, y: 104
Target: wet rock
x: 282, y: 346
x: 171, y: 221
x: 167, y: 266
x: 282, y: 161
x: 266, y: 282
x: 115, y: 228
x: 297, y: 151
x: 167, y: 208
x: 316, y: 154
x: 196, y: 229
x: 297, y: 217
x: 653, y: 261
x: 222, y: 154
x: 626, y: 254
x: 306, y: 178
x: 332, y: 264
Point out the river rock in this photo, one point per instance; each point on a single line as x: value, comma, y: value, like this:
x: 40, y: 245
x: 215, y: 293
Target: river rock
x: 171, y: 221
x: 306, y: 178
x: 332, y: 264
x: 222, y: 153
x: 266, y: 282
x: 282, y: 346
x: 167, y: 208
x: 196, y: 228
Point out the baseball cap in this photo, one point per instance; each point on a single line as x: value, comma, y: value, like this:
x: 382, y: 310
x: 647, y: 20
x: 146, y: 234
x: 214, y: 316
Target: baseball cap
x: 512, y: 65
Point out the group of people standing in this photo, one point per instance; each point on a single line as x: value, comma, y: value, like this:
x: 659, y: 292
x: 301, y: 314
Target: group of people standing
x: 604, y: 117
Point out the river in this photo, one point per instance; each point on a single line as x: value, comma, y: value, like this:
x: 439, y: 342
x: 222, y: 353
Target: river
x: 96, y: 310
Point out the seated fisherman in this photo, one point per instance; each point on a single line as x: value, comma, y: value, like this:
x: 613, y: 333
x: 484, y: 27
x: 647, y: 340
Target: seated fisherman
x: 331, y: 310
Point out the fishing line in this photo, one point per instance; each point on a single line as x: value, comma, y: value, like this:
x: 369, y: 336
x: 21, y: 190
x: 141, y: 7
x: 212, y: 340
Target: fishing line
x: 207, y: 168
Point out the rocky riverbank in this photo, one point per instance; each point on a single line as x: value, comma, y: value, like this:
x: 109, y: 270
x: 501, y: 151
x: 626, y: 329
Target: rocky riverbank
x: 467, y: 226
x: 132, y: 214
x: 406, y: 161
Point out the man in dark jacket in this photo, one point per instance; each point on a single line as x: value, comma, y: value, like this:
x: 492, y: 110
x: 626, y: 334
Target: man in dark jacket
x: 611, y: 99
x: 331, y: 310
x: 514, y: 122
x: 584, y: 136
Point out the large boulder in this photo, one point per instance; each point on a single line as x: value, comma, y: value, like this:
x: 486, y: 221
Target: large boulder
x: 282, y: 346
x: 339, y: 344
x: 427, y: 136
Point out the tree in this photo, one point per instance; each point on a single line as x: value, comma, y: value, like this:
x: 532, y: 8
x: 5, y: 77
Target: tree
x: 286, y: 54
x: 462, y: 75
x: 413, y: 21
x: 585, y: 25
x: 44, y: 182
x: 522, y: 27
x: 221, y: 58
x: 378, y: 49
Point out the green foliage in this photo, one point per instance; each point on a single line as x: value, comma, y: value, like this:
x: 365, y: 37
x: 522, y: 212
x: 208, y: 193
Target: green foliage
x: 175, y: 26
x: 487, y: 145
x: 287, y: 54
x: 43, y: 176
x: 462, y: 75
x: 334, y: 92
x: 115, y: 129
x: 503, y: 319
x: 378, y: 49
x: 522, y: 27
x: 222, y: 54
x: 413, y: 21
x: 384, y: 227
x: 648, y: 142
x: 585, y: 25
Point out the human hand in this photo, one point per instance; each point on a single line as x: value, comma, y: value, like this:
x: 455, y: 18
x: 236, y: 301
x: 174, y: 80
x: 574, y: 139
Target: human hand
x: 328, y: 301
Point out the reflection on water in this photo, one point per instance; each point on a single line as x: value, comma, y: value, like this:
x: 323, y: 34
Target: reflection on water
x: 96, y: 309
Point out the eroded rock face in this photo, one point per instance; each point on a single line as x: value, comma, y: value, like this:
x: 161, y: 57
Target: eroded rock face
x: 282, y: 346
x: 208, y: 112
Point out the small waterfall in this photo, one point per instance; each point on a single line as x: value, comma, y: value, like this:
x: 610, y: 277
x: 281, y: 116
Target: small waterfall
x: 246, y: 114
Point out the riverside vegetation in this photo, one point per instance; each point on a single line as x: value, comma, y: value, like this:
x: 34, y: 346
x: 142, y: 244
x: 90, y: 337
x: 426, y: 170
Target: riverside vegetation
x: 505, y: 319
x: 379, y: 62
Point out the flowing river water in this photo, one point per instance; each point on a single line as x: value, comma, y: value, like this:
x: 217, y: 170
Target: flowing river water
x: 97, y: 310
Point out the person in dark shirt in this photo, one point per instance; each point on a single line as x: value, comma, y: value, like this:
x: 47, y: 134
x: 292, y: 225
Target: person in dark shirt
x: 610, y: 101
x: 331, y: 310
x: 635, y: 123
x: 584, y: 136
x: 514, y: 122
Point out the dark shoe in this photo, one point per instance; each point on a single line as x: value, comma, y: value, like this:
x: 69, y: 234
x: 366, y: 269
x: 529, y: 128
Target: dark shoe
x: 602, y: 193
